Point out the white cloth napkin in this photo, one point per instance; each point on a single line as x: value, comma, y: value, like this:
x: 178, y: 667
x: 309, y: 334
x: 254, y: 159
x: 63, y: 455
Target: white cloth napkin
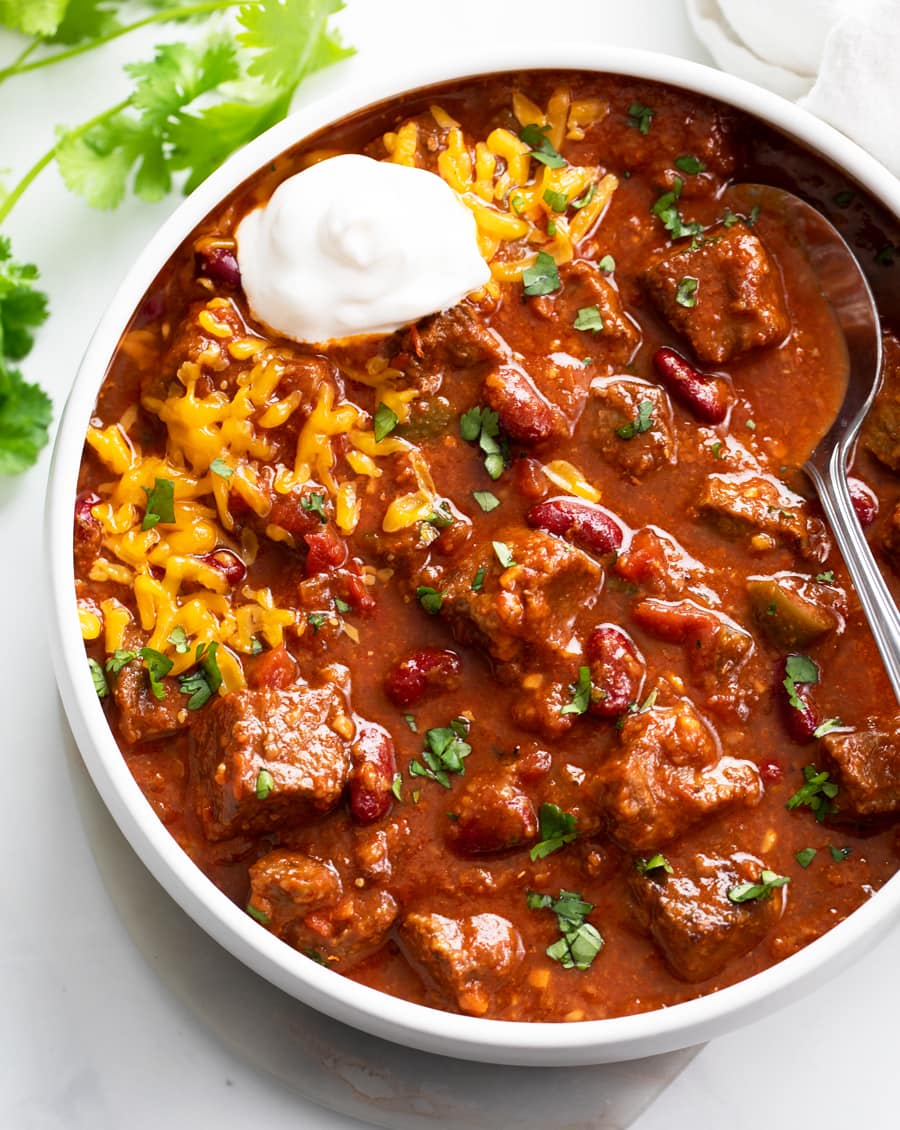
x: 838, y: 58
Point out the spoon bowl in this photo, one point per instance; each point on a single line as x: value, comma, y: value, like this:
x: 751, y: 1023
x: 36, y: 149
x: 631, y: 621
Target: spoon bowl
x: 844, y: 285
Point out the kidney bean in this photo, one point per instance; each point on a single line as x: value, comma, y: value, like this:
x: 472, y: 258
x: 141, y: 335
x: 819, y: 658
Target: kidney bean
x: 492, y: 817
x: 430, y: 669
x: 707, y: 397
x: 771, y: 771
x: 226, y: 562
x: 220, y: 265
x: 372, y: 775
x: 585, y: 523
x: 274, y: 668
x: 326, y: 552
x: 865, y: 502
x: 616, y: 671
x: 524, y: 414
x: 530, y: 481
x: 800, y: 723
x: 534, y: 764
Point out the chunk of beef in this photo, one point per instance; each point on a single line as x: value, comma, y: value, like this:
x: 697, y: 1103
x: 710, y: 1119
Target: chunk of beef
x: 881, y: 430
x: 632, y: 425
x: 582, y: 287
x: 305, y: 902
x: 454, y: 339
x: 162, y: 779
x: 141, y: 716
x: 716, y: 647
x: 868, y: 762
x: 667, y: 776
x: 524, y: 617
x: 465, y: 959
x: 752, y: 503
x: 698, y: 929
x: 526, y: 612
x: 736, y: 301
x: 88, y: 533
x: 298, y: 738
x: 491, y: 815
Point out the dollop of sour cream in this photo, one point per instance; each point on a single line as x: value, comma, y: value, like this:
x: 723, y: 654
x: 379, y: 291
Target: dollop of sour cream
x: 355, y: 246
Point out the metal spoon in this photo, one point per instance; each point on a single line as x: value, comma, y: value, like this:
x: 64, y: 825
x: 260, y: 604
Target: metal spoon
x: 845, y: 287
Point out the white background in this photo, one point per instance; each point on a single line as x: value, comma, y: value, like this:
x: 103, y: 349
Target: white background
x: 101, y: 1034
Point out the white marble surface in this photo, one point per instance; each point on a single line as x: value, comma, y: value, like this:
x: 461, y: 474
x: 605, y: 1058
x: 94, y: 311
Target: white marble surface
x: 101, y: 1033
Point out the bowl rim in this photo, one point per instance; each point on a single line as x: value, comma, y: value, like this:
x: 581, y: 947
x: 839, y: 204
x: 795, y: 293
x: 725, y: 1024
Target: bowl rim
x: 418, y: 1026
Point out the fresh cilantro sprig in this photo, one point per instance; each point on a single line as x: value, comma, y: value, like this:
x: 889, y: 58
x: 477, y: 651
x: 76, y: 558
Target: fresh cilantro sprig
x: 444, y: 753
x: 556, y: 829
x: 580, y: 942
x: 482, y: 425
x: 816, y: 793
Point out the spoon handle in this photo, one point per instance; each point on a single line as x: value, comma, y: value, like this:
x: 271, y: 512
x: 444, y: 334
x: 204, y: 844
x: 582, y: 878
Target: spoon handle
x: 873, y: 593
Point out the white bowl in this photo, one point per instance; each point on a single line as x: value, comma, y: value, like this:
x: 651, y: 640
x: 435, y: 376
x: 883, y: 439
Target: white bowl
x: 495, y: 1041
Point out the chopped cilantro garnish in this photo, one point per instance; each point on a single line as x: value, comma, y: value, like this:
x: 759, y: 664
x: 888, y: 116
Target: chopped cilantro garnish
x: 478, y: 579
x: 386, y: 419
x: 178, y: 639
x: 749, y: 892
x: 265, y: 784
x: 826, y: 578
x: 799, y: 669
x: 444, y: 753
x: 826, y: 727
x: 556, y: 829
x: 716, y: 449
x: 558, y: 201
x: 160, y: 503
x: 689, y: 164
x: 314, y: 503
x: 551, y: 228
x: 805, y: 857
x: 430, y: 599
x: 220, y: 467
x: 542, y: 150
x: 486, y: 500
x: 517, y: 203
x: 342, y: 606
x: 119, y: 658
x: 409, y: 719
x: 583, y: 201
x: 589, y: 318
x: 639, y: 117
x: 656, y: 862
x: 581, y: 693
x: 607, y: 264
x: 580, y: 942
x: 542, y: 277
x: 483, y: 425
x: 817, y: 793
x: 206, y: 678
x: 98, y: 678
x: 643, y: 422
x: 397, y: 786
x: 686, y: 294
x: 665, y: 210
x: 441, y: 516
x: 504, y: 554
x: 839, y: 854
x: 751, y: 424
x: 158, y: 666
x: 316, y: 620
x: 259, y: 915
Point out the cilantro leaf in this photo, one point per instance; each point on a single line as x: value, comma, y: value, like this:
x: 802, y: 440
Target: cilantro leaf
x: 160, y: 503
x: 542, y: 277
x: 689, y: 164
x: 686, y: 294
x: 542, y: 150
x: 290, y: 39
x: 643, y: 422
x: 816, y: 793
x: 589, y: 318
x: 314, y: 503
x: 385, y: 420
x: 265, y: 784
x: 444, y: 753
x: 85, y: 19
x: 486, y: 499
x: 430, y: 599
x: 158, y: 666
x: 581, y: 693
x: 203, y: 682
x: 799, y: 669
x: 557, y: 828
x: 640, y: 116
x: 483, y: 425
x: 656, y: 862
x: 25, y: 415
x: 751, y: 892
x: 580, y: 942
x: 805, y: 857
x: 99, y: 679
x: 22, y: 306
x: 33, y: 17
x: 504, y: 554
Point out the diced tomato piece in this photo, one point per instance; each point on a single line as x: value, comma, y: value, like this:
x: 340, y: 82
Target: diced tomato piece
x: 326, y: 553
